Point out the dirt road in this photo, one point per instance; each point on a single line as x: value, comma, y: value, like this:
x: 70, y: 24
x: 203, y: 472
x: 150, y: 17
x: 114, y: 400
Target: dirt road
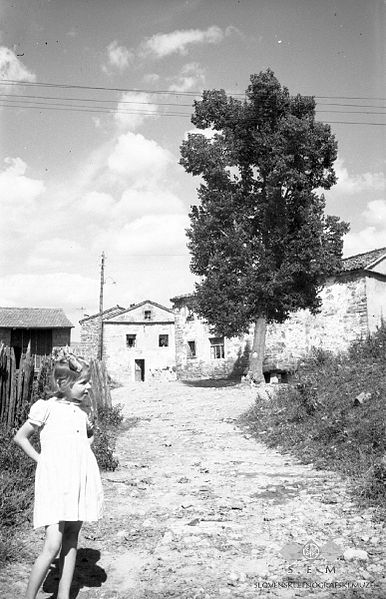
x: 197, y: 509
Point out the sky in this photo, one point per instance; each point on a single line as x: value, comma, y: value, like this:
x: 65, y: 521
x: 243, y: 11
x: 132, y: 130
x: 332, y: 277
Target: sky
x: 96, y: 98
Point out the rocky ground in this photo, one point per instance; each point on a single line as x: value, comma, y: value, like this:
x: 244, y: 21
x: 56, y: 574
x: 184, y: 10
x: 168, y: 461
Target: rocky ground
x: 199, y: 510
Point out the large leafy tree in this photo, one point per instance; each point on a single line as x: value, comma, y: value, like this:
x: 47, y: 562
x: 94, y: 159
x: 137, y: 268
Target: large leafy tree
x: 259, y: 239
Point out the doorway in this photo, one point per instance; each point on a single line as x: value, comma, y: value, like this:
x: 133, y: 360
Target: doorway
x: 139, y: 370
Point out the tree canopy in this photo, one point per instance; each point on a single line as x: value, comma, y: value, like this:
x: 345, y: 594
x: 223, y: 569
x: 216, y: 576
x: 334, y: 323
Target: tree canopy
x: 259, y: 239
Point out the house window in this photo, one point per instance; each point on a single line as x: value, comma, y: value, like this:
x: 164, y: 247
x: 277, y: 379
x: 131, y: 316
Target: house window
x: 191, y: 349
x: 163, y: 340
x: 147, y: 315
x: 216, y: 347
x: 130, y: 340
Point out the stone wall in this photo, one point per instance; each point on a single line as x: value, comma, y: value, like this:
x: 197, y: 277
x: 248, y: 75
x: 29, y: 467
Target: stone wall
x: 90, y: 337
x: 190, y: 328
x: 376, y: 302
x: 159, y: 362
x: 343, y: 318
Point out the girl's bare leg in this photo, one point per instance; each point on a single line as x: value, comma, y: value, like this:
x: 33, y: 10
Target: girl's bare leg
x: 68, y: 557
x: 54, y: 535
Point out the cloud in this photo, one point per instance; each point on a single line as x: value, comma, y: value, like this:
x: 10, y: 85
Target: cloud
x: 61, y: 289
x: 177, y: 42
x: 152, y: 234
x: 151, y: 78
x: 133, y: 109
x: 12, y: 68
x: 138, y: 159
x: 97, y: 203
x: 137, y: 202
x: 373, y: 235
x: 55, y: 252
x: 191, y: 76
x: 375, y: 213
x: 349, y: 183
x: 18, y: 195
x: 118, y: 57
x: 368, y: 239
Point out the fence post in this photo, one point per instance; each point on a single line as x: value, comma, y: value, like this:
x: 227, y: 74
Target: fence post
x: 12, y: 390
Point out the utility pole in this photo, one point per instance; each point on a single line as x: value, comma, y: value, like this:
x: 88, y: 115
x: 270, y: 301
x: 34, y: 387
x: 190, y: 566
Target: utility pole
x: 100, y: 348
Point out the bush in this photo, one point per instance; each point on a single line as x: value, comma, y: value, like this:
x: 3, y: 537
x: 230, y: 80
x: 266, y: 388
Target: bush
x: 318, y: 421
x: 109, y: 420
x: 103, y: 451
x: 110, y: 416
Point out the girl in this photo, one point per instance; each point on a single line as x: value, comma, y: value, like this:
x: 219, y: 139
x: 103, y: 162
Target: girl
x: 68, y: 487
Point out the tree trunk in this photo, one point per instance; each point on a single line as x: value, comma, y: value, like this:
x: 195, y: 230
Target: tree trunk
x: 255, y: 372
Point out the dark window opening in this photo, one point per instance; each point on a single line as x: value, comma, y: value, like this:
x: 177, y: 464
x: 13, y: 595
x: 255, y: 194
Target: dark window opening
x: 130, y: 340
x: 191, y: 349
x: 139, y: 367
x: 163, y: 341
x: 147, y: 315
x: 216, y: 348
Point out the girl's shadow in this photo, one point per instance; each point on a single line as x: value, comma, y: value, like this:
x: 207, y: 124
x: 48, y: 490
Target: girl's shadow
x: 87, y: 573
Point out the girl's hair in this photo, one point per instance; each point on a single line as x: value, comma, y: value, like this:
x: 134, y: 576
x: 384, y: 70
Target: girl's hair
x: 66, y: 373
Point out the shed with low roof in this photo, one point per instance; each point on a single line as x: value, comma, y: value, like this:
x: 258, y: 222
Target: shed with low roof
x: 42, y: 328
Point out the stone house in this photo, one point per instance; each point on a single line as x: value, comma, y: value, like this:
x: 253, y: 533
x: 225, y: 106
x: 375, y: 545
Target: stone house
x: 42, y: 328
x: 353, y: 306
x: 91, y: 329
x: 138, y: 342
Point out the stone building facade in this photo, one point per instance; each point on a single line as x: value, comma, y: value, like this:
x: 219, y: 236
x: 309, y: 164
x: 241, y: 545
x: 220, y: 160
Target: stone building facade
x: 91, y: 331
x: 138, y: 342
x: 353, y: 305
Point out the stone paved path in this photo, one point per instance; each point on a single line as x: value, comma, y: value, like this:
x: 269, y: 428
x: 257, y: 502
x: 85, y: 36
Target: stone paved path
x: 198, y: 509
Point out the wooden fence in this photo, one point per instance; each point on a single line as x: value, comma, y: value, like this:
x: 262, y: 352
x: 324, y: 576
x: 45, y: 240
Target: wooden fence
x: 20, y: 388
x: 15, y: 386
x: 100, y: 389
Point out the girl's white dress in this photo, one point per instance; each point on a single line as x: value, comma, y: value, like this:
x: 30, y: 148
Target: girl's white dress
x: 67, y: 481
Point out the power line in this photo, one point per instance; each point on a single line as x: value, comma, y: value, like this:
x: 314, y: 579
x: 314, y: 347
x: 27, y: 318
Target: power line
x: 101, y: 88
x: 101, y: 110
x: 23, y: 96
x: 48, y: 100
x: 149, y: 91
x: 351, y: 112
x: 92, y: 110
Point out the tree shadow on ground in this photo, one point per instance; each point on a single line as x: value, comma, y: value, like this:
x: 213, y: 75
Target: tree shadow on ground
x: 212, y: 382
x: 87, y: 574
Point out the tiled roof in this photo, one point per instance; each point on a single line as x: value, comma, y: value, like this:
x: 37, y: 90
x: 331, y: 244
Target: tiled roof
x: 135, y: 306
x: 108, y: 313
x: 34, y: 318
x: 362, y: 261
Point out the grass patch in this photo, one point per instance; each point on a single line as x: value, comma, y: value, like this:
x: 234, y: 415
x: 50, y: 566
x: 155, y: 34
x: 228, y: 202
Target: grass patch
x: 16, y: 492
x: 319, y: 420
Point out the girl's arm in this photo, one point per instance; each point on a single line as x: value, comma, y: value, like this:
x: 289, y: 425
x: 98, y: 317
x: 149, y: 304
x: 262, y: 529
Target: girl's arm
x: 22, y: 440
x: 91, y: 439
